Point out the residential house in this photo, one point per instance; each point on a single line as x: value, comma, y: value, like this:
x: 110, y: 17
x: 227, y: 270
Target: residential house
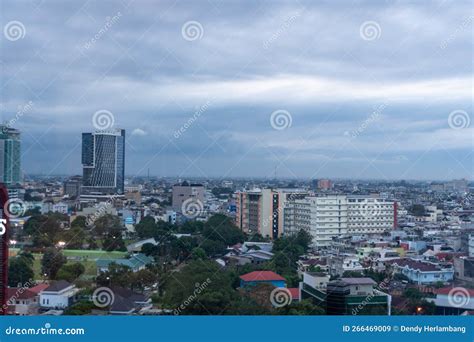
x: 58, y: 295
x: 136, y: 262
x: 453, y: 301
x: 421, y: 272
x: 262, y: 277
x: 24, y: 301
x: 127, y: 302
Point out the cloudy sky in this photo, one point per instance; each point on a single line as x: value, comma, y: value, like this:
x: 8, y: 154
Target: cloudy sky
x: 341, y: 89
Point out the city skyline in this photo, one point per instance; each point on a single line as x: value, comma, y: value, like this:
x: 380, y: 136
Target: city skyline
x: 313, y: 90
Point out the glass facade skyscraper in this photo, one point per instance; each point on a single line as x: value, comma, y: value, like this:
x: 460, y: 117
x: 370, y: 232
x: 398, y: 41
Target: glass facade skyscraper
x: 103, y: 161
x: 10, y: 156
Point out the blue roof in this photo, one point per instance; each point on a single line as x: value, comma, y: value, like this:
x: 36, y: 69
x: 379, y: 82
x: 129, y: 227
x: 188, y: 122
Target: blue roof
x: 134, y: 262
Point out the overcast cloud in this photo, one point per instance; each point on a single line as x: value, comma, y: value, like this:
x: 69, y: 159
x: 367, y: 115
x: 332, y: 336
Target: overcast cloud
x: 362, y: 89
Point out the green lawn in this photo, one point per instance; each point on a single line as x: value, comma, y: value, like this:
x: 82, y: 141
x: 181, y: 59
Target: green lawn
x: 85, y: 257
x: 86, y: 254
x: 93, y: 254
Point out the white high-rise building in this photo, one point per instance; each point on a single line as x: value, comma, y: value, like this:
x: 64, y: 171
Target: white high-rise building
x: 332, y: 216
x: 370, y: 215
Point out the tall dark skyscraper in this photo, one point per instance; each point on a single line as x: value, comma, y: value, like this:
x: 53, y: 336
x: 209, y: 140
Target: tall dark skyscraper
x: 103, y: 161
x: 10, y: 153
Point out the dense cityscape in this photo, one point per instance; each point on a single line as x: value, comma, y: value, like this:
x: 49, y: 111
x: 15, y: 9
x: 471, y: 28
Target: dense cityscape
x: 104, y: 243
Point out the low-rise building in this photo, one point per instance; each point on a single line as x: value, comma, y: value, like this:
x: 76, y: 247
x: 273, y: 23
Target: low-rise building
x: 262, y: 277
x: 58, y: 295
x: 464, y: 268
x: 136, y: 262
x: 453, y: 300
x: 421, y: 272
x: 346, y: 296
x: 24, y: 301
x: 127, y: 302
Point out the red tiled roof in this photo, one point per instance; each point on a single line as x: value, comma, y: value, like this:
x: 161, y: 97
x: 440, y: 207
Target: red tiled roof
x: 295, y: 293
x: 456, y: 290
x: 443, y: 255
x: 19, y: 293
x: 261, y: 276
x: 38, y: 288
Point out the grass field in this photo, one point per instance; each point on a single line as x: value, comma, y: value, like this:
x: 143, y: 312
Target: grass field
x: 85, y: 257
x: 93, y: 254
x: 85, y: 254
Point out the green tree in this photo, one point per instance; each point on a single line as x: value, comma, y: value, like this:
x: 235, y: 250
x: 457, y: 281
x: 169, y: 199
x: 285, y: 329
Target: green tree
x: 303, y: 238
x: 80, y: 308
x: 221, y: 228
x: 117, y: 275
x: 203, y: 286
x: 113, y: 240
x: 143, y: 278
x: 191, y: 227
x: 304, y: 307
x: 44, y: 229
x: 20, y: 271
x: 51, y: 262
x: 181, y: 248
x: 146, y: 228
x: 74, y: 237
x: 198, y: 254
x: 213, y: 248
x: 149, y: 249
x: 70, y: 272
x: 79, y: 221
x: 106, y: 223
